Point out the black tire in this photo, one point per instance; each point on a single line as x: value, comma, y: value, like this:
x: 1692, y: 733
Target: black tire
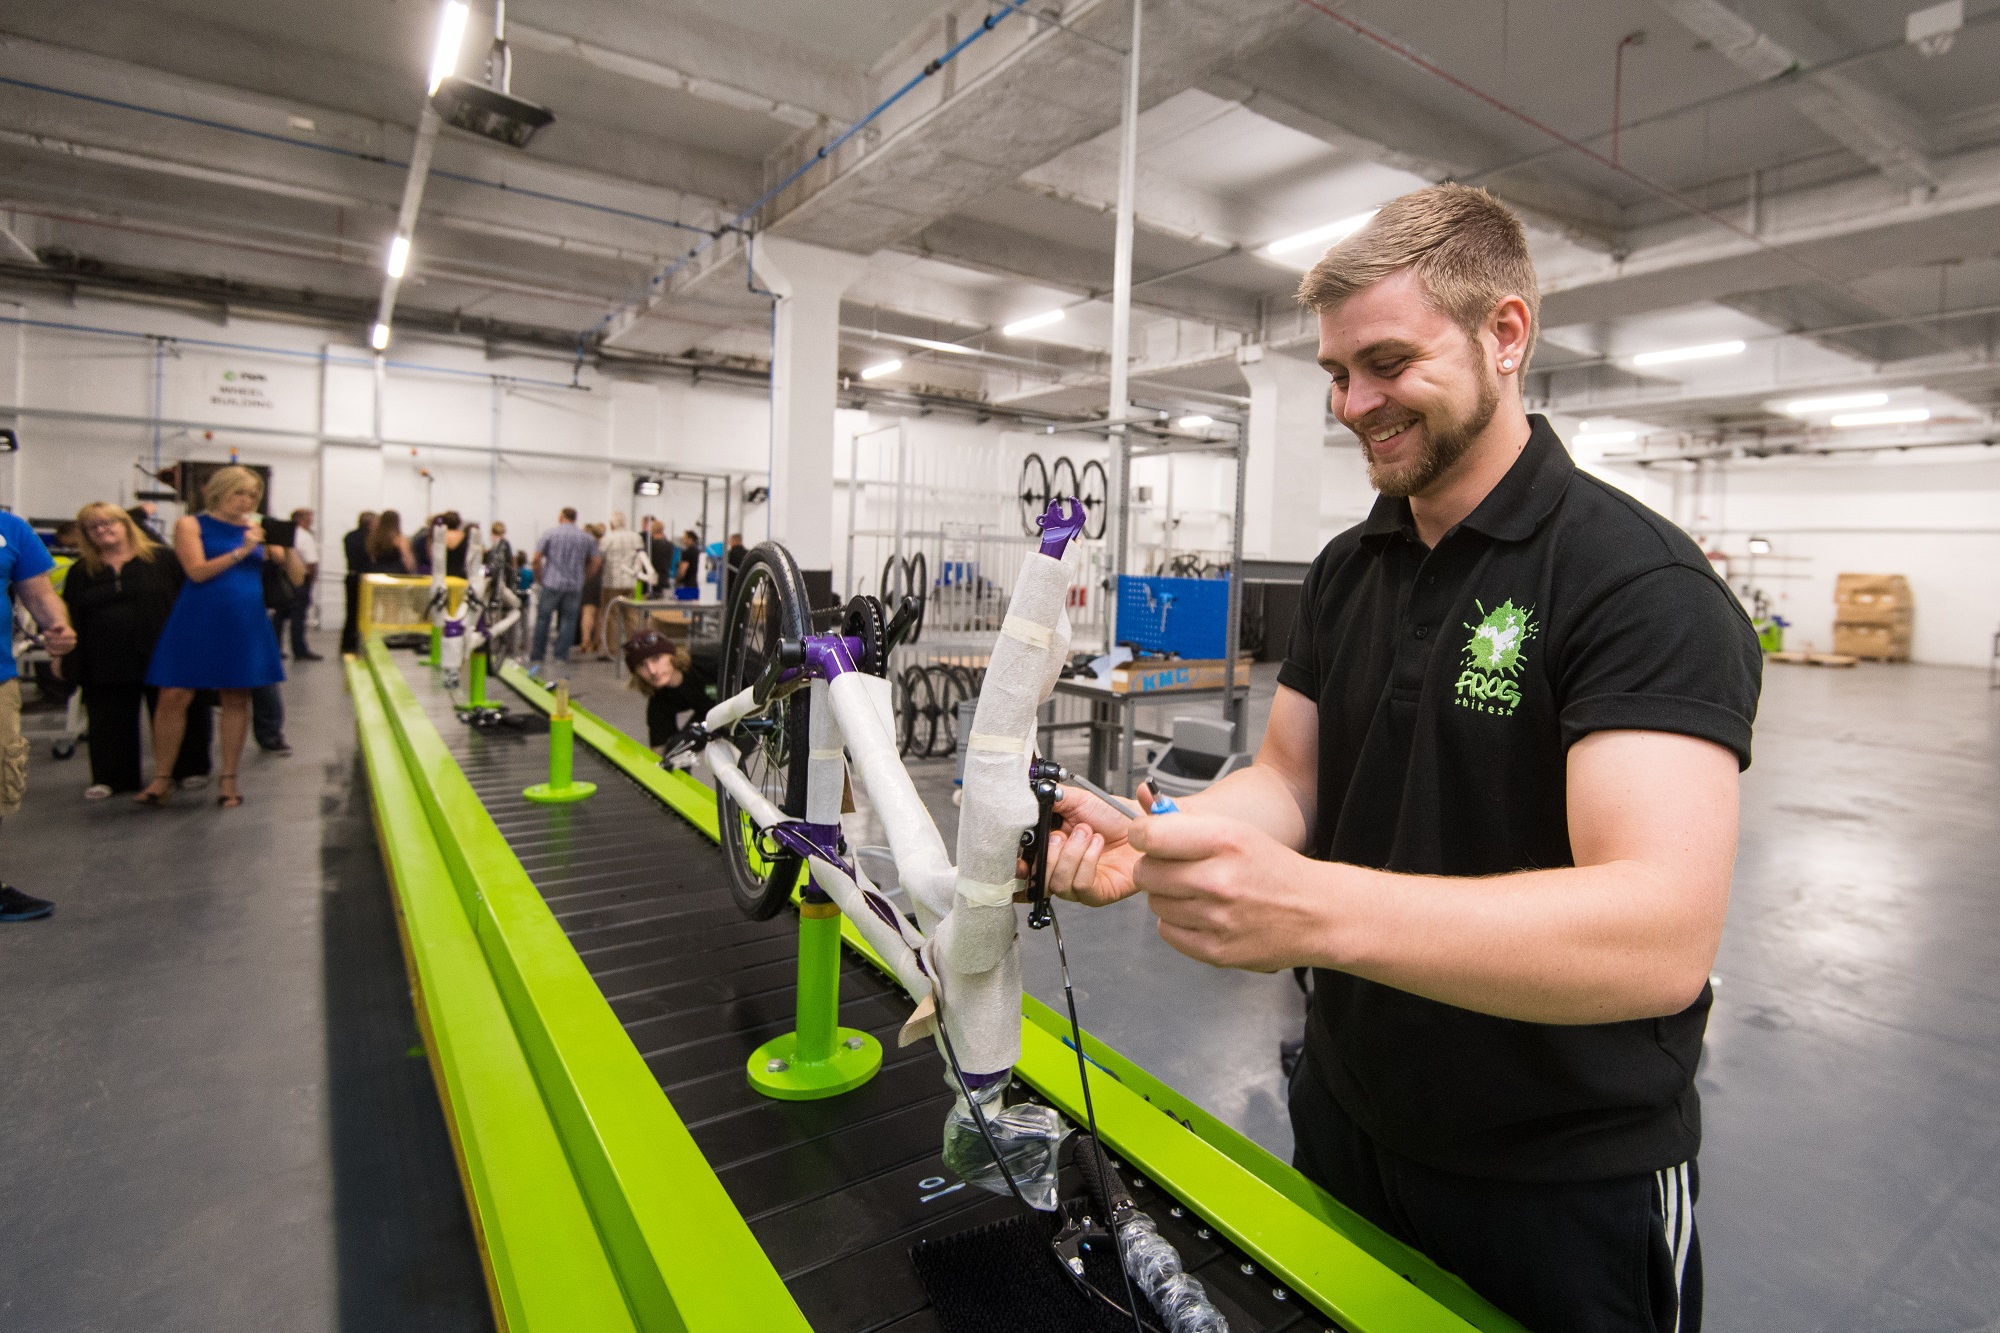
x: 1094, y: 489
x: 767, y: 604
x: 1062, y: 479
x: 956, y: 687
x: 1034, y: 493
x: 917, y: 715
x: 891, y: 590
x: 917, y: 584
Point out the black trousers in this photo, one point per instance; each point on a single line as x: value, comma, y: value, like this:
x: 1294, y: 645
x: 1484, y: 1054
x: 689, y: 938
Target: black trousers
x: 1604, y: 1256
x: 350, y: 628
x: 301, y: 608
x: 116, y: 738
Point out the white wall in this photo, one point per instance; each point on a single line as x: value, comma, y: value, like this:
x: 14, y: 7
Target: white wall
x: 1932, y: 516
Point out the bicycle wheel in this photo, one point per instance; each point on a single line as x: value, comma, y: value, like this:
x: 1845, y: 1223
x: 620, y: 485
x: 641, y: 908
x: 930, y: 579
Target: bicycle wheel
x: 958, y: 688
x: 918, y: 715
x: 1062, y: 478
x: 1034, y: 492
x: 766, y: 606
x: 891, y: 588
x: 917, y: 584
x: 1093, y: 488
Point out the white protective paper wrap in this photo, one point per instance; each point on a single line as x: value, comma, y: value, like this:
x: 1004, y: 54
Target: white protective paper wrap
x: 973, y: 949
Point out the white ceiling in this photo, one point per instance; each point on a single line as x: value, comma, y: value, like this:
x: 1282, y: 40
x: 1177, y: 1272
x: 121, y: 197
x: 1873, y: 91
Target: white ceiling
x: 232, y: 152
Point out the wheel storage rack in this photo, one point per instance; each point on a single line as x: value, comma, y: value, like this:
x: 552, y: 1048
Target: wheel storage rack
x: 588, y: 995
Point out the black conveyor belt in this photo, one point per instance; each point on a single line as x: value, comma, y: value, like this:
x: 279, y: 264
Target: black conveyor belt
x: 836, y: 1191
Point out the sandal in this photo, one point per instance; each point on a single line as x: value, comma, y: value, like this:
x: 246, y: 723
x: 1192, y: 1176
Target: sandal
x: 157, y: 793
x: 230, y: 798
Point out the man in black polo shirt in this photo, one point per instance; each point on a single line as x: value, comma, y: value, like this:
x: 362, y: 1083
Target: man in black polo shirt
x: 1495, y: 809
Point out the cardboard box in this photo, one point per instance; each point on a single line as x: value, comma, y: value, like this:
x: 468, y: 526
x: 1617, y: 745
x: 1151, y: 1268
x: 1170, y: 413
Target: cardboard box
x: 1872, y: 599
x: 1175, y: 674
x: 1886, y: 642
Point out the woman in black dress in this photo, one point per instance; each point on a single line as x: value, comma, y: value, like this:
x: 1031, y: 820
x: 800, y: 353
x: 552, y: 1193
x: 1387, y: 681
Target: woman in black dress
x: 119, y: 594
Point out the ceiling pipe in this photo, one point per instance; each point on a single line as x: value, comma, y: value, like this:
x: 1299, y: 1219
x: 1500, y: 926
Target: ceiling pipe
x: 1119, y: 406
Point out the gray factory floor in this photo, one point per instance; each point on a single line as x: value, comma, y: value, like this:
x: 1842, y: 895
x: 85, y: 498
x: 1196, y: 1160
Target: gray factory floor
x: 216, y: 1117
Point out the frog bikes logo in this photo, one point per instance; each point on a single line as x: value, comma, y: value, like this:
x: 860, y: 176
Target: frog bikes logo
x: 1488, y: 682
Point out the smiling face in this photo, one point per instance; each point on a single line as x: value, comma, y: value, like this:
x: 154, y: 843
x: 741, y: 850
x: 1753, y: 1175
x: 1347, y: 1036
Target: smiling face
x: 1408, y: 381
x: 239, y: 504
x: 660, y: 672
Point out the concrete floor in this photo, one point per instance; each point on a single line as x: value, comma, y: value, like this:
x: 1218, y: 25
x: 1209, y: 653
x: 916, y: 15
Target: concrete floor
x: 215, y: 1121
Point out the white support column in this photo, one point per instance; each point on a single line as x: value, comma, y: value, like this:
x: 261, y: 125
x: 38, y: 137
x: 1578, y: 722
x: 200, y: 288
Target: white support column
x: 805, y: 375
x: 1288, y: 400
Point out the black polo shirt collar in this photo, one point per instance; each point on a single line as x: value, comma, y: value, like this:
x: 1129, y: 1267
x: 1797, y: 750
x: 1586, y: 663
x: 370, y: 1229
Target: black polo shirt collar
x: 1512, y: 510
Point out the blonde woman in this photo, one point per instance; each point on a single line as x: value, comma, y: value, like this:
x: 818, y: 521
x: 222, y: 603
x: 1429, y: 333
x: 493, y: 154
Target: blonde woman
x: 219, y: 636
x: 119, y: 595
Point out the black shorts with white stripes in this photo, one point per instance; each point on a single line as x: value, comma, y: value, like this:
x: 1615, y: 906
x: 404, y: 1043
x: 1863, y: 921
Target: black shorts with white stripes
x: 1601, y: 1256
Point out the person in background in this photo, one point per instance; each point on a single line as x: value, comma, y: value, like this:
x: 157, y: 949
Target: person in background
x: 565, y: 558
x: 307, y: 545
x: 500, y: 551
x: 218, y: 636
x: 524, y: 574
x: 147, y: 515
x: 590, y: 617
x: 388, y: 549
x: 674, y: 681
x: 267, y: 702
x: 354, y: 546
x: 119, y: 595
x: 454, y: 545
x: 664, y: 555
x: 64, y: 538
x: 689, y: 574
x: 736, y: 552
x: 24, y: 571
x: 624, y: 553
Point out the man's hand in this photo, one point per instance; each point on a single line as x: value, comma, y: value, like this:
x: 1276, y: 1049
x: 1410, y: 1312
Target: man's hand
x: 1229, y: 894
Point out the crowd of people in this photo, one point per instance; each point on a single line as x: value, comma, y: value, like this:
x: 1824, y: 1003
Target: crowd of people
x: 162, y: 630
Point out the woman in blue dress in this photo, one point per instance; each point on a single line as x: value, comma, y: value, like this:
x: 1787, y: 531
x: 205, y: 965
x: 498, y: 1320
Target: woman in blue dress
x: 219, y: 636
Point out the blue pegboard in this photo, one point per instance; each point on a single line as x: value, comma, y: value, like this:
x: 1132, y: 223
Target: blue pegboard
x: 1186, y: 617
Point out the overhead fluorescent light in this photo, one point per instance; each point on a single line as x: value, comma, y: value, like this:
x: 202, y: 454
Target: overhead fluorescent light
x: 1760, y: 546
x: 876, y: 372
x: 647, y: 486
x: 1839, y: 403
x: 451, y: 36
x: 1704, y: 352
x: 1033, y: 322
x: 399, y: 256
x: 1901, y: 416
x: 1195, y: 421
x: 378, y: 337
x: 1324, y: 237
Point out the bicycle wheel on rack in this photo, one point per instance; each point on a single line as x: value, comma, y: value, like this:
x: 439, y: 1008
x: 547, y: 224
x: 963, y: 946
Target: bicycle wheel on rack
x: 767, y: 605
x: 891, y: 588
x: 1062, y: 478
x: 956, y: 688
x: 1033, y: 490
x: 1094, y: 489
x: 916, y: 715
x: 917, y: 584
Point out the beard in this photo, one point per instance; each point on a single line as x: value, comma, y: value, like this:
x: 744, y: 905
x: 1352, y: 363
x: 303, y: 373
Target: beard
x: 1445, y: 440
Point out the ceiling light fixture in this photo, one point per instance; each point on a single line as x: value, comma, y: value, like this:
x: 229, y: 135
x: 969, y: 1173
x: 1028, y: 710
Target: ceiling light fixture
x: 1325, y: 237
x: 378, y: 337
x: 1033, y: 322
x: 1901, y: 416
x: 1195, y: 422
x: 1841, y: 403
x: 1704, y: 352
x: 399, y: 256
x: 876, y: 372
x: 647, y: 486
x: 451, y: 36
x: 1760, y: 546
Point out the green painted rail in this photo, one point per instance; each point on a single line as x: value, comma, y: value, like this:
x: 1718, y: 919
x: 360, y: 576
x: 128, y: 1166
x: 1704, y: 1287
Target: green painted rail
x: 682, y: 1253
x: 544, y: 1267
x: 1304, y: 1237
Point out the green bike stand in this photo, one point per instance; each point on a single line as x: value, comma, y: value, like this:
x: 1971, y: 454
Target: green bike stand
x: 820, y: 1058
x: 561, y: 788
x: 475, y: 688
x: 437, y: 645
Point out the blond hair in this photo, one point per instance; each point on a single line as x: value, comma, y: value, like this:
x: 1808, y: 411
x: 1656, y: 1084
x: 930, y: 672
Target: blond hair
x: 226, y: 481
x: 1466, y: 247
x: 136, y: 537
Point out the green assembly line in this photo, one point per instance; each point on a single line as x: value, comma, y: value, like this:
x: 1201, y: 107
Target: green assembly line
x: 593, y: 1204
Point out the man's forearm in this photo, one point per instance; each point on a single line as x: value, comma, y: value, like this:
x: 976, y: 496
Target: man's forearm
x: 1261, y: 797
x: 1582, y: 944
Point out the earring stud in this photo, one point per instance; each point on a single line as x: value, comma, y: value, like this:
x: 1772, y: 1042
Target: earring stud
x: 1507, y: 363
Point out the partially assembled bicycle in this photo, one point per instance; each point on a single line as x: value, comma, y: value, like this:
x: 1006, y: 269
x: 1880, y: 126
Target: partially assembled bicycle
x: 804, y: 707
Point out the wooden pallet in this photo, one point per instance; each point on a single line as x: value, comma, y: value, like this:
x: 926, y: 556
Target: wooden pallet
x: 1809, y: 658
